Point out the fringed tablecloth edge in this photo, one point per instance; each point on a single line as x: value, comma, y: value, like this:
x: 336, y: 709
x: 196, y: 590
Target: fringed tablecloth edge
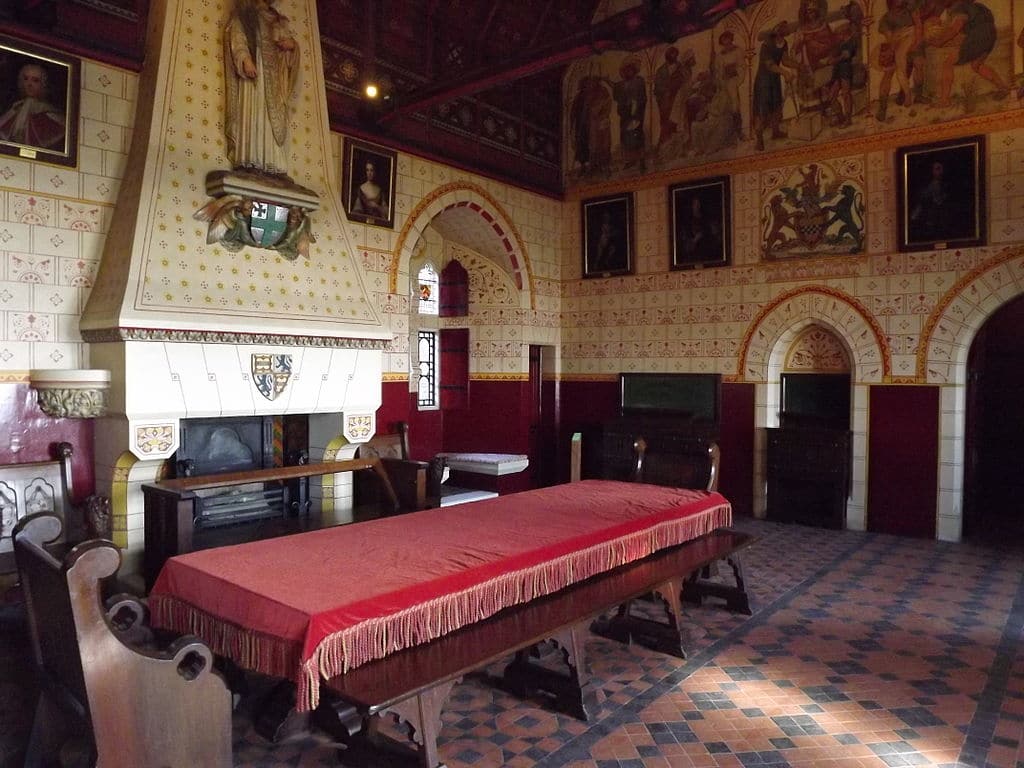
x: 375, y: 638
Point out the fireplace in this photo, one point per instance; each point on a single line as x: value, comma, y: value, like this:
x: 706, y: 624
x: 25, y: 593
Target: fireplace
x: 241, y: 444
x: 192, y: 330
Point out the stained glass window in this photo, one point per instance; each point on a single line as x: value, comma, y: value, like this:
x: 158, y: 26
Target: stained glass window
x: 428, y: 288
x: 427, y: 388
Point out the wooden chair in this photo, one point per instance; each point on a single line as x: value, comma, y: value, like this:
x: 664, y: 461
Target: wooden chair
x: 122, y: 706
x: 417, y: 483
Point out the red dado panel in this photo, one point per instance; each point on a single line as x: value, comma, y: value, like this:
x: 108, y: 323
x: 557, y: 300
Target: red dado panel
x: 583, y: 404
x: 736, y: 441
x: 496, y: 421
x: 24, y: 426
x: 903, y: 460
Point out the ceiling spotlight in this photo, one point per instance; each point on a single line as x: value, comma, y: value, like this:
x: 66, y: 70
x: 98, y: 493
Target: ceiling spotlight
x: 371, y: 91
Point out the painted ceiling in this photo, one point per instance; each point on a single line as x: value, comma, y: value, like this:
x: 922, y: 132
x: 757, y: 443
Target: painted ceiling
x: 475, y: 83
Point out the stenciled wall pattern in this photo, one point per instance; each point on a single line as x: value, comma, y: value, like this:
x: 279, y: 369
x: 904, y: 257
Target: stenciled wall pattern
x: 52, y: 225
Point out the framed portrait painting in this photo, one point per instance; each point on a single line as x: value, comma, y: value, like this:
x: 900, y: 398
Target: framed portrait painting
x: 699, y: 225
x: 941, y: 194
x: 368, y: 183
x: 608, y: 235
x: 38, y: 103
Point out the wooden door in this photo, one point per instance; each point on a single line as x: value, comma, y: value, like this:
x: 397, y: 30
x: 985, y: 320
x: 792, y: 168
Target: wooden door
x: 993, y: 468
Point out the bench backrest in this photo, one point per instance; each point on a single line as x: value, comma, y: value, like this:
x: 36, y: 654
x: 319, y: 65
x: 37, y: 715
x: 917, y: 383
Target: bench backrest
x: 692, y: 464
x: 147, y: 709
x: 31, y: 487
x: 417, y: 483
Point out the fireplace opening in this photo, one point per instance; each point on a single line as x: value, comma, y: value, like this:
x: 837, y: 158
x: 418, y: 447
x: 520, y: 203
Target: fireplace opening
x: 236, y: 445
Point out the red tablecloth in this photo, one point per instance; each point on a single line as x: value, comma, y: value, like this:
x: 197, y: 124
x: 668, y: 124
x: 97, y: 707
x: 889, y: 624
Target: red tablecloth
x: 316, y: 604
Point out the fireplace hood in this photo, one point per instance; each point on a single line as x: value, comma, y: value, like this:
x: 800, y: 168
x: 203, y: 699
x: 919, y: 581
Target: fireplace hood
x: 190, y: 328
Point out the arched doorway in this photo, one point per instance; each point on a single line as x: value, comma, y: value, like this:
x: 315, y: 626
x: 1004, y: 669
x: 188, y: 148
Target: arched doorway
x: 993, y: 466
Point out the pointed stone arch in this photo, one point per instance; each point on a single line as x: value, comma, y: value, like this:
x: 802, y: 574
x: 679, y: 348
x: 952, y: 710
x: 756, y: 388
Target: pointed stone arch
x: 942, y: 360
x: 464, y: 194
x: 947, y: 335
x: 834, y: 309
x: 773, y: 331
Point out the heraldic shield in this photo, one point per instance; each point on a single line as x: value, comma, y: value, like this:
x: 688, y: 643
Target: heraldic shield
x: 267, y: 223
x: 270, y: 374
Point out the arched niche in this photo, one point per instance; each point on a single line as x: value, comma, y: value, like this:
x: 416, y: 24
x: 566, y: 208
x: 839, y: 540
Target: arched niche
x: 763, y: 354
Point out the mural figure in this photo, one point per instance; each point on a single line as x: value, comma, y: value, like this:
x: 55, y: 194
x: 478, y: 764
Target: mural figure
x: 837, y: 94
x: 714, y: 125
x: 590, y: 124
x: 630, y: 94
x: 900, y: 54
x: 814, y: 40
x: 32, y: 120
x: 964, y: 31
x: 774, y: 64
x: 261, y: 71
x: 672, y: 82
x: 727, y: 68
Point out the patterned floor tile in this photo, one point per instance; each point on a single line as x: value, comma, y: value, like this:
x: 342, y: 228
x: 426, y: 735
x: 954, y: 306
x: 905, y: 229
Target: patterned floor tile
x: 864, y: 651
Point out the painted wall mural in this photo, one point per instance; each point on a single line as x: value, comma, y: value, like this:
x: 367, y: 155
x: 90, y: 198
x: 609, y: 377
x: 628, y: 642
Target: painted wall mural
x: 790, y: 73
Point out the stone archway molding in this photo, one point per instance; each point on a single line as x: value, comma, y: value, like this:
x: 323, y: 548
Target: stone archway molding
x: 871, y: 358
x: 492, y: 215
x: 947, y: 335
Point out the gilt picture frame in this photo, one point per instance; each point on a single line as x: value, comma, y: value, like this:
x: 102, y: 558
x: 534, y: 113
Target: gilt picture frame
x: 941, y: 195
x: 39, y: 97
x: 607, y: 235
x: 699, y: 223
x: 368, y: 183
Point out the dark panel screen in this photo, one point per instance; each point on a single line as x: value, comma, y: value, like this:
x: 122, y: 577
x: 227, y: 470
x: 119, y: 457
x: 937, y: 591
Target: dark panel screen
x: 695, y: 395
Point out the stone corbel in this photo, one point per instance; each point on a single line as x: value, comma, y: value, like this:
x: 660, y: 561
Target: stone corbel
x: 71, y: 393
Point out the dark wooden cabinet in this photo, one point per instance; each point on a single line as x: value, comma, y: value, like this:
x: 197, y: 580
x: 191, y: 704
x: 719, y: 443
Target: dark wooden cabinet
x: 808, y: 473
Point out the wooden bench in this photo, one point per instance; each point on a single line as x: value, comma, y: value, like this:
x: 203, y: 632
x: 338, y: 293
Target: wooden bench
x: 417, y: 484
x: 121, y: 706
x: 37, y: 486
x: 413, y: 684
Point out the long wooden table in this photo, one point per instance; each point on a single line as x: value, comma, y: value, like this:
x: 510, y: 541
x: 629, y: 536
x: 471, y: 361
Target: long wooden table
x: 317, y: 604
x: 413, y: 684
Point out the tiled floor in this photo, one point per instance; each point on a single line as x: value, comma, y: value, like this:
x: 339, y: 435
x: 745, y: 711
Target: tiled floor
x: 863, y: 650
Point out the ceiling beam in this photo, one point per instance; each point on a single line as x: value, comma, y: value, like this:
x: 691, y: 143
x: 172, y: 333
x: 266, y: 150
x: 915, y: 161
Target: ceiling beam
x: 630, y: 30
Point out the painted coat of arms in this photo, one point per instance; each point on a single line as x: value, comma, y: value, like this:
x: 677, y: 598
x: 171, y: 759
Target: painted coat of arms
x: 270, y: 374
x: 815, y: 209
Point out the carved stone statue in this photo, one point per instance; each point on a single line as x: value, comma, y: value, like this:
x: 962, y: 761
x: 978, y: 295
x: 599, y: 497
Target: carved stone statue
x: 98, y: 524
x: 261, y: 70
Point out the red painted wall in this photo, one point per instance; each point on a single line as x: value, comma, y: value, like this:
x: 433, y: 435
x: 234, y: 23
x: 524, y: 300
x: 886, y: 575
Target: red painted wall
x: 582, y: 404
x: 903, y: 458
x: 496, y: 421
x: 38, y: 434
x: 736, y: 441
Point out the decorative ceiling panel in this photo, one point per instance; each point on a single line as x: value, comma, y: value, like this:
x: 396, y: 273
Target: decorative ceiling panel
x: 476, y: 83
